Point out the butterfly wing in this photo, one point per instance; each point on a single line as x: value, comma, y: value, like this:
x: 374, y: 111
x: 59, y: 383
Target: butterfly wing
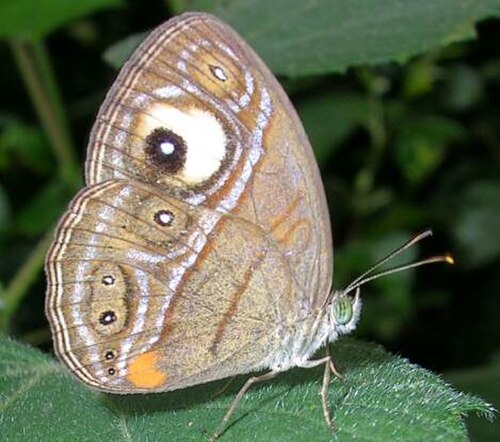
x: 134, y: 307
x: 203, y: 233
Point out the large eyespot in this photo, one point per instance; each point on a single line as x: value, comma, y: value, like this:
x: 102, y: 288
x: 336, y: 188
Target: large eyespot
x: 189, y: 144
x: 342, y: 310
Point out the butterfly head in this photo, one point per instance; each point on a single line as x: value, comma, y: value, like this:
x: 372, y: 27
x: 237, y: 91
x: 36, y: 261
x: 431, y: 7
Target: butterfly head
x: 344, y: 312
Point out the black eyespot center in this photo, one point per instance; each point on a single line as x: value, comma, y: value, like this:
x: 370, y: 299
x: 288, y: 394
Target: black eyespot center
x: 107, y: 317
x: 111, y: 371
x: 164, y: 217
x: 166, y: 150
x: 109, y: 355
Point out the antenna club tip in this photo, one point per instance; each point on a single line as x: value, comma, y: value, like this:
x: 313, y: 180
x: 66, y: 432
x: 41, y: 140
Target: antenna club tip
x: 449, y: 259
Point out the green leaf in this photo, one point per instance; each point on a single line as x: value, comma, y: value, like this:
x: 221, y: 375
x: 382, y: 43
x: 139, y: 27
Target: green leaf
x: 380, y: 397
x: 26, y: 18
x: 485, y: 381
x: 420, y: 77
x: 421, y: 144
x: 322, y: 36
x: 330, y: 118
x: 311, y: 37
x: 478, y: 226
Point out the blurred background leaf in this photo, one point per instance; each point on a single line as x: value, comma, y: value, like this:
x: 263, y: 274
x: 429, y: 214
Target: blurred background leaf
x: 25, y: 18
x: 330, y: 118
x: 24, y: 145
x: 421, y: 144
x: 478, y: 223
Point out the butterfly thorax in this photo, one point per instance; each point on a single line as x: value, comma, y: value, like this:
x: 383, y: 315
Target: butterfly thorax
x: 305, y: 336
x: 300, y: 340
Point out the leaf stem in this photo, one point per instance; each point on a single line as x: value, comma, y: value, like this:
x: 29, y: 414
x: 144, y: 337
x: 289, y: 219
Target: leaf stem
x: 35, y: 67
x: 24, y: 278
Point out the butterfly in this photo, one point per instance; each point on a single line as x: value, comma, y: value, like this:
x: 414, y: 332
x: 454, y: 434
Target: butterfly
x: 200, y: 246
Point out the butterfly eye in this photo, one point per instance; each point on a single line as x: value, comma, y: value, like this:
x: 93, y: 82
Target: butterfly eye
x: 342, y: 310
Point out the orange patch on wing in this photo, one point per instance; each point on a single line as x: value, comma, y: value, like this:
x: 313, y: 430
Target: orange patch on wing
x: 142, y: 371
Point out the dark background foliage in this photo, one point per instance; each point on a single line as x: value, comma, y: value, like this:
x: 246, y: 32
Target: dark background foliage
x: 401, y: 146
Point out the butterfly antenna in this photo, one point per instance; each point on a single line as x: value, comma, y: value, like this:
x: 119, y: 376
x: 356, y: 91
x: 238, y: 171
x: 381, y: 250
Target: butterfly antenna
x: 368, y: 276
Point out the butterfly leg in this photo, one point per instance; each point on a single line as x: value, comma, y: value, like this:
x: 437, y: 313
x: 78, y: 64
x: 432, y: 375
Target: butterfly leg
x: 333, y: 369
x: 237, y: 400
x: 327, y: 412
x: 223, y: 389
x: 329, y: 368
x: 327, y: 361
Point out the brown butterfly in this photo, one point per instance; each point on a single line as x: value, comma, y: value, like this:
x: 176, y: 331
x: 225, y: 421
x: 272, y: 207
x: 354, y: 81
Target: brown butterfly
x: 200, y: 247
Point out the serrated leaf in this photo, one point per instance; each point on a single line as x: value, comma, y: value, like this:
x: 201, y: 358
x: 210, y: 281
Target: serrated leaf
x: 485, y: 381
x: 26, y: 18
x: 381, y: 397
x: 322, y: 36
x: 314, y: 37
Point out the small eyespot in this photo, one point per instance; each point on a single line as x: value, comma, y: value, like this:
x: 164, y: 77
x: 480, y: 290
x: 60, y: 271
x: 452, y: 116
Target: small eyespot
x: 111, y: 371
x: 218, y: 73
x: 164, y: 217
x: 107, y: 317
x: 109, y: 355
x: 108, y: 280
x: 166, y: 150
